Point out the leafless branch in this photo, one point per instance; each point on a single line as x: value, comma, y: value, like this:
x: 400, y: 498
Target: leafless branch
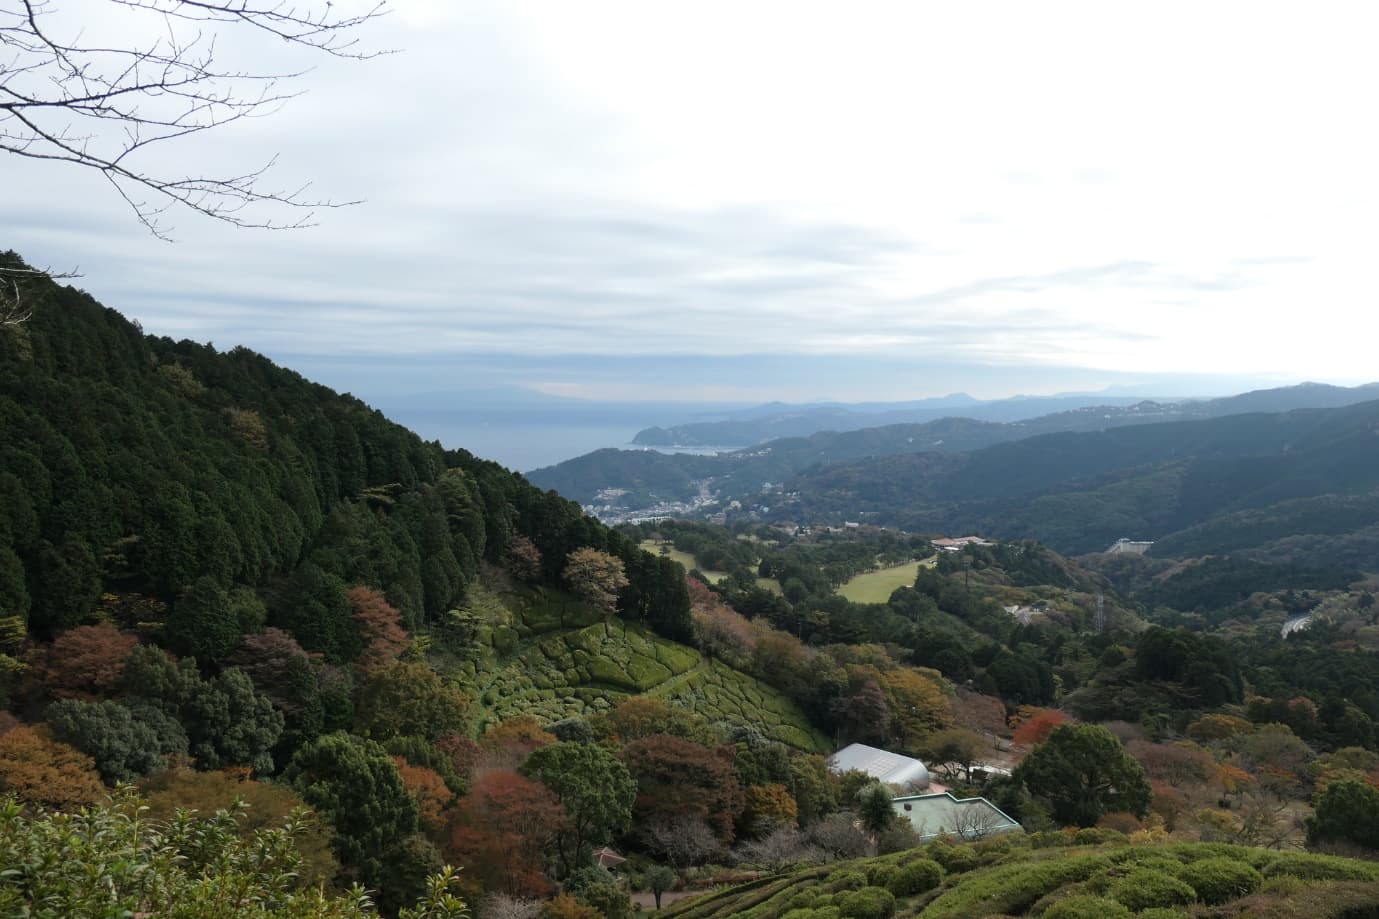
x: 15, y: 307
x: 103, y: 106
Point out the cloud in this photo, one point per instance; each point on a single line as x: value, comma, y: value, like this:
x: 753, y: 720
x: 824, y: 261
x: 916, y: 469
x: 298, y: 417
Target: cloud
x: 548, y: 187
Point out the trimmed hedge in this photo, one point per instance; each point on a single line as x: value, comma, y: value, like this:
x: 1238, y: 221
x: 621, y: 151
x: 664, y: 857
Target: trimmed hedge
x: 916, y: 877
x: 1218, y: 880
x: 867, y: 903
x: 1145, y: 888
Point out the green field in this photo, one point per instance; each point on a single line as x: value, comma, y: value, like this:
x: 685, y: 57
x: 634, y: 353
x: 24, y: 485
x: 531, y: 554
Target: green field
x: 877, y: 586
x: 684, y: 558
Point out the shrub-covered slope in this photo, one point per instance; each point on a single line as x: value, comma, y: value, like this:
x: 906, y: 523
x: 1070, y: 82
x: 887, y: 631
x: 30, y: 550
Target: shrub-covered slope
x: 1059, y: 876
x: 542, y: 653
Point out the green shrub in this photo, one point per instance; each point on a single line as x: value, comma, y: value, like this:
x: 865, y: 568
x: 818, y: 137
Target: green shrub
x: 1320, y: 868
x: 1013, y: 888
x: 1163, y: 912
x: 805, y: 900
x: 1087, y: 907
x: 1049, y: 839
x: 847, y: 880
x: 1144, y: 888
x: 1217, y: 880
x: 1162, y: 864
x: 1095, y: 836
x: 954, y: 859
x: 916, y: 877
x: 881, y: 875
x: 867, y: 903
x: 995, y: 845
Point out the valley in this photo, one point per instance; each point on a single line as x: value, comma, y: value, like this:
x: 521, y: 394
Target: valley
x: 220, y: 579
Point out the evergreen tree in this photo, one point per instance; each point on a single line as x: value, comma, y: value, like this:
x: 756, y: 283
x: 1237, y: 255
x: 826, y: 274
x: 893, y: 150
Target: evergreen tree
x: 1083, y: 773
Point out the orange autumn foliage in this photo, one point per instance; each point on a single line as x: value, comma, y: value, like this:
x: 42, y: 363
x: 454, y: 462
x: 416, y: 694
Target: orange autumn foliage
x: 1233, y: 778
x: 771, y: 804
x: 522, y: 732
x: 380, y: 629
x: 37, y: 769
x: 1034, y: 725
x: 428, y: 789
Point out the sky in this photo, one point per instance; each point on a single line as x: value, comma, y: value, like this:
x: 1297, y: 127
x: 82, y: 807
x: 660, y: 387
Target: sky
x: 736, y: 202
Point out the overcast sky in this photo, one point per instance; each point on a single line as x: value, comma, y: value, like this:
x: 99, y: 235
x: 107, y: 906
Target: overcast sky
x: 756, y: 200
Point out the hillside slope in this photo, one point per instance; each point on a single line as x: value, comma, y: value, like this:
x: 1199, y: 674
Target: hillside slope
x: 545, y: 654
x: 1189, y: 484
x: 1059, y: 875
x: 648, y: 476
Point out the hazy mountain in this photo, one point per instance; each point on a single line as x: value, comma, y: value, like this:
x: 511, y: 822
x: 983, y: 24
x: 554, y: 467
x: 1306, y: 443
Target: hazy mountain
x: 777, y: 419
x: 650, y: 477
x: 1298, y: 486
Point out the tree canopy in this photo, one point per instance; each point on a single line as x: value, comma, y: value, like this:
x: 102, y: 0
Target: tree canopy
x: 1083, y: 772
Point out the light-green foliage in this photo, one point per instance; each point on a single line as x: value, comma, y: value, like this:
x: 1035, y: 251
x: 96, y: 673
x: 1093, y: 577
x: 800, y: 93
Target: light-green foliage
x: 1061, y: 878
x: 877, y: 586
x: 112, y: 861
x: 1144, y: 888
x: 915, y: 877
x: 548, y: 657
x: 867, y: 903
x: 1217, y: 880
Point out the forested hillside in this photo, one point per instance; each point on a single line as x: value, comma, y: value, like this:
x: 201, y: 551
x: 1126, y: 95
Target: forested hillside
x: 219, y: 580
x: 1255, y: 481
x: 846, y: 472
x: 135, y: 468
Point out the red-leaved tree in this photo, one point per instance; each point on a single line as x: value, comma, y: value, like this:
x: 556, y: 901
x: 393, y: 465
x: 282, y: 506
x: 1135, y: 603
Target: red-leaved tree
x: 677, y: 777
x: 500, y: 830
x: 87, y: 662
x: 380, y: 628
x: 1034, y: 725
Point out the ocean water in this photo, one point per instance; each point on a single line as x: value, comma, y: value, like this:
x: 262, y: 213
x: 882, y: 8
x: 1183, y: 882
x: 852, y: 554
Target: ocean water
x: 520, y: 441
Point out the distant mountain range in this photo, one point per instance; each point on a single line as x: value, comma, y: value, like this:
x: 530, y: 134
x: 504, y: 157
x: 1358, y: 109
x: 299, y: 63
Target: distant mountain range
x: 1300, y: 486
x: 648, y: 478
x: 1252, y: 474
x: 777, y: 420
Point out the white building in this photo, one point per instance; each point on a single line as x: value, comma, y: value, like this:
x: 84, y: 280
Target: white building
x: 944, y: 815
x: 891, y: 768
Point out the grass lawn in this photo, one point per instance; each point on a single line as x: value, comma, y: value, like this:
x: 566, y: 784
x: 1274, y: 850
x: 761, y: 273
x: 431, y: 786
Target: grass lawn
x: 684, y: 558
x: 877, y: 586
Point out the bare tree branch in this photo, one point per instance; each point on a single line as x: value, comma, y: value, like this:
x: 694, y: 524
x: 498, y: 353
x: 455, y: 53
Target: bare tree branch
x: 15, y: 307
x: 105, y: 106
